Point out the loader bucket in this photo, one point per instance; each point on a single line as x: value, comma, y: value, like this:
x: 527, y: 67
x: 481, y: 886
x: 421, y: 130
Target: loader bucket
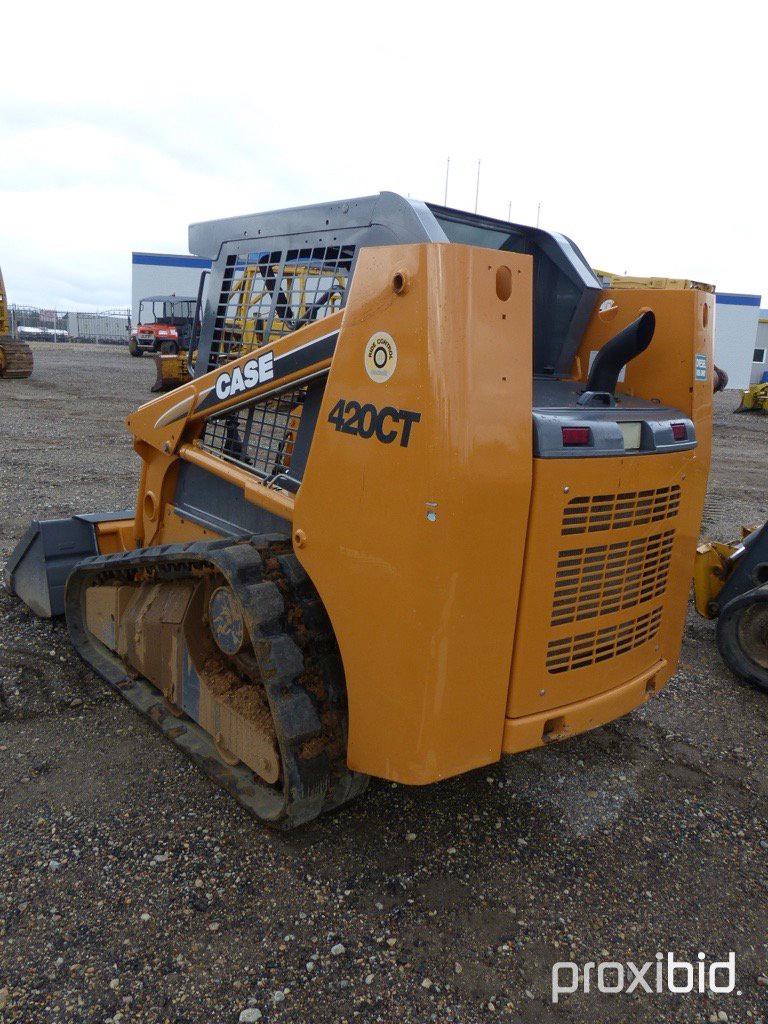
x: 172, y: 372
x: 40, y: 563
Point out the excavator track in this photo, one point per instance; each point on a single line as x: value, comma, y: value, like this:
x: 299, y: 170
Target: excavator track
x: 253, y: 599
x: 16, y: 359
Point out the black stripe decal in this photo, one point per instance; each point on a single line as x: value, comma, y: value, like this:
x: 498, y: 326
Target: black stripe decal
x: 285, y: 365
x: 314, y: 352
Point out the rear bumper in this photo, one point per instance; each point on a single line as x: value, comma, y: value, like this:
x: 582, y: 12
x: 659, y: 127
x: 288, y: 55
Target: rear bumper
x: 559, y: 723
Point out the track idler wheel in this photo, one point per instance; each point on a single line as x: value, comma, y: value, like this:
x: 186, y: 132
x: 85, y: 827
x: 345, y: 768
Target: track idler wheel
x: 226, y: 621
x: 742, y: 636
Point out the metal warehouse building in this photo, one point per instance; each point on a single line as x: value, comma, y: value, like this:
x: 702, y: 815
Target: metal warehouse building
x: 154, y: 273
x: 736, y: 338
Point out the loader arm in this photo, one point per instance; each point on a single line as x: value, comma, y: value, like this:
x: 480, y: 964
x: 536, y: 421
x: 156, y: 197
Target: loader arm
x: 170, y: 428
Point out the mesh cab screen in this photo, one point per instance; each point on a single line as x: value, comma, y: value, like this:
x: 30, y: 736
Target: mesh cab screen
x: 269, y: 293
x: 260, y: 436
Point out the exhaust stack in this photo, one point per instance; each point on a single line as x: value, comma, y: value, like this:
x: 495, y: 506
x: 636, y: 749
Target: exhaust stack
x: 616, y: 353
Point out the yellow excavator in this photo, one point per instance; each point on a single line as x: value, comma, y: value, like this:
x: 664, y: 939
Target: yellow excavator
x: 438, y: 507
x: 16, y: 359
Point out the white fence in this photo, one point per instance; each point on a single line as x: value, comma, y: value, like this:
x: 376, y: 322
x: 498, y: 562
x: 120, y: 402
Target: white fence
x: 108, y: 327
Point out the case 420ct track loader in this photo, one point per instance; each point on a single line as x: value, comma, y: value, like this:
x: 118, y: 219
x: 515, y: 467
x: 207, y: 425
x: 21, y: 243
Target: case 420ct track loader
x: 442, y: 510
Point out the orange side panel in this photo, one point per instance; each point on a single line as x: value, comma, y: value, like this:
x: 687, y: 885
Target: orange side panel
x: 416, y: 551
x: 611, y: 541
x: 114, y: 537
x: 608, y: 570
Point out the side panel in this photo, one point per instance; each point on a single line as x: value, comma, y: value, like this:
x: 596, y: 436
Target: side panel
x: 219, y: 506
x: 607, y: 565
x: 417, y: 549
x: 611, y: 542
x: 677, y: 370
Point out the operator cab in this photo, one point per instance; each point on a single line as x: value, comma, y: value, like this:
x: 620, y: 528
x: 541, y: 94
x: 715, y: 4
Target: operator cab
x: 274, y: 272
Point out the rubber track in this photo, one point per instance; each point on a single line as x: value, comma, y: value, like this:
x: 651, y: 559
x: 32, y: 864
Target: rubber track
x: 18, y: 359
x: 278, y: 611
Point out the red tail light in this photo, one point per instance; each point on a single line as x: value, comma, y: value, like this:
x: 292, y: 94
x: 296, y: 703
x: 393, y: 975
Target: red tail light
x: 573, y: 436
x: 679, y: 431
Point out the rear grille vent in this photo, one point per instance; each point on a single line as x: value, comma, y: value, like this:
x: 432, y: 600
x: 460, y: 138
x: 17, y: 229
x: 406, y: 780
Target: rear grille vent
x: 599, y: 512
x: 586, y: 649
x: 610, y: 577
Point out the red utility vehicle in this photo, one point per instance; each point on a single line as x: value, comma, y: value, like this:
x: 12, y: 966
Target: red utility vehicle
x: 165, y: 325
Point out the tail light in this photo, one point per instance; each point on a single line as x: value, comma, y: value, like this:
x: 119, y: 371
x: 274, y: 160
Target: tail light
x: 679, y: 431
x: 573, y: 436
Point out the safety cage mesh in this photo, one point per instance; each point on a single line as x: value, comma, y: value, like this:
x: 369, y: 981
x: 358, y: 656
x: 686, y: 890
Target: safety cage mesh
x: 270, y: 293
x: 260, y: 436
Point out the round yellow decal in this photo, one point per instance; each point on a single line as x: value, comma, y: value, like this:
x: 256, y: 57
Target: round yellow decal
x: 380, y: 356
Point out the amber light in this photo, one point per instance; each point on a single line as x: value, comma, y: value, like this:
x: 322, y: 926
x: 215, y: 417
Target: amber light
x: 575, y: 436
x: 679, y: 432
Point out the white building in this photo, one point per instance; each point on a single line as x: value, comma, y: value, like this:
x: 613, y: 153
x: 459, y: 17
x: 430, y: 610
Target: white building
x: 154, y: 273
x: 736, y: 344
x: 760, y: 355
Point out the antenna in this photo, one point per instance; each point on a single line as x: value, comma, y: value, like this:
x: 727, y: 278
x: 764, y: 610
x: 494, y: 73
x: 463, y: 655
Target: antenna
x: 509, y: 210
x: 447, y: 169
x: 477, y: 188
x: 538, y: 213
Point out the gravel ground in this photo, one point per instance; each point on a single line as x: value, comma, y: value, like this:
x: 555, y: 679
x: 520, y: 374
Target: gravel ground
x: 132, y: 890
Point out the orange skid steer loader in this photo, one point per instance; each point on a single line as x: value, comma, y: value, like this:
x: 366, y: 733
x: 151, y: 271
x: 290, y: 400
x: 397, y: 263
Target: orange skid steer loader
x: 440, y: 510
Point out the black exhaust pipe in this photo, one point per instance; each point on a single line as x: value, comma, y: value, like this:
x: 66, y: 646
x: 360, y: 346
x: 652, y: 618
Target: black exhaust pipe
x: 616, y: 353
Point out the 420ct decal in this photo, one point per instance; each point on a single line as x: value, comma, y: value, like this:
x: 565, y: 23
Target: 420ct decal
x: 386, y: 425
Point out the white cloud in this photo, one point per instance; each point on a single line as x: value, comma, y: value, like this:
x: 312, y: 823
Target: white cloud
x: 638, y: 129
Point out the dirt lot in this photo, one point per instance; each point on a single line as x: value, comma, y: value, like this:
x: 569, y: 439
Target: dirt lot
x: 133, y: 890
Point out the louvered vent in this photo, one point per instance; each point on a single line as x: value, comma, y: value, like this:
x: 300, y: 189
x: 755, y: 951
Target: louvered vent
x: 610, y: 577
x: 599, y: 512
x: 584, y: 649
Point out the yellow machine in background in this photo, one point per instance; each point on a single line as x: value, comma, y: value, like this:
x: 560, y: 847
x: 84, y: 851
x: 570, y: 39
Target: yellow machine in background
x: 754, y: 399
x: 440, y: 508
x: 16, y: 359
x: 731, y: 585
x: 172, y: 371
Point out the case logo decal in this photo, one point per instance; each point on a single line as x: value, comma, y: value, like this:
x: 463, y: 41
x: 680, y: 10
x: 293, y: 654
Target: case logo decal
x: 701, y: 366
x: 380, y: 357
x: 253, y: 373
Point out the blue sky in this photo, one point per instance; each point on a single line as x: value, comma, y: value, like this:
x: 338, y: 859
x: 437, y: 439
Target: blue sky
x: 638, y: 130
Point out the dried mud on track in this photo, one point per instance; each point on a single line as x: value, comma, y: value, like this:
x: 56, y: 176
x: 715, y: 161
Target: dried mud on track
x: 132, y: 890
